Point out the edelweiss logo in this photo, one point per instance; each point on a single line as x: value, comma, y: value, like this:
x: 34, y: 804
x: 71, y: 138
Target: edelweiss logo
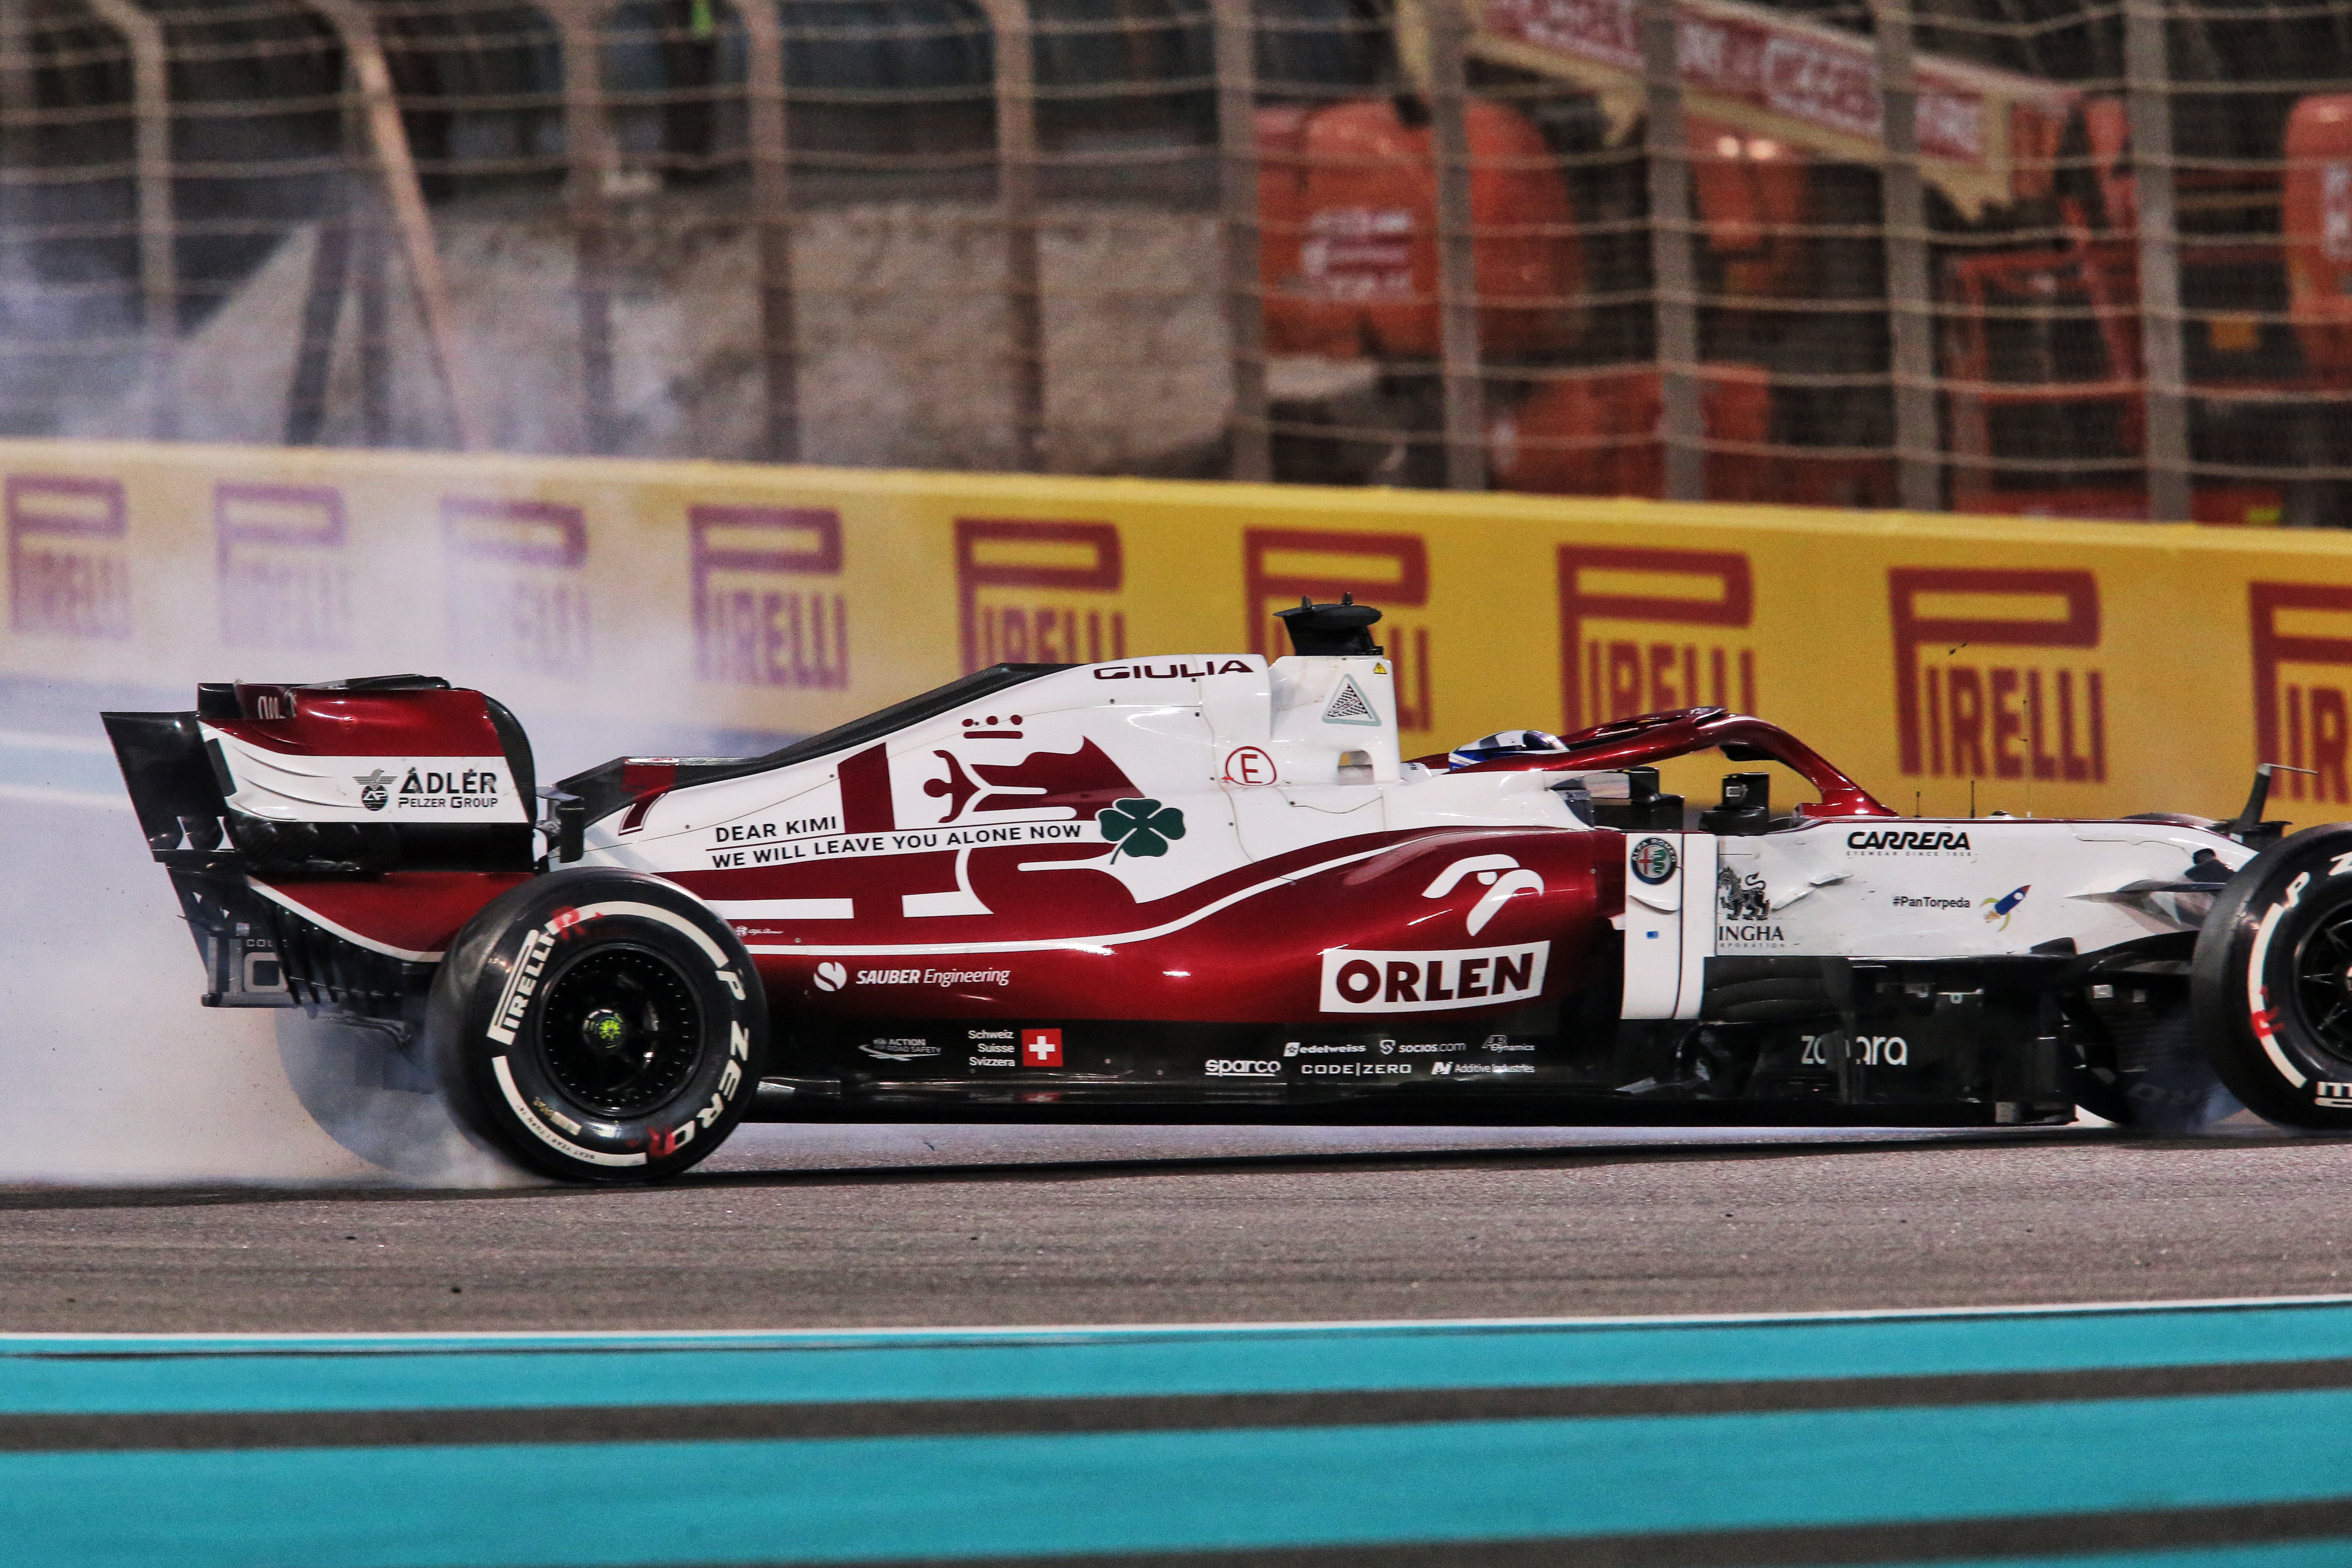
x: 375, y: 789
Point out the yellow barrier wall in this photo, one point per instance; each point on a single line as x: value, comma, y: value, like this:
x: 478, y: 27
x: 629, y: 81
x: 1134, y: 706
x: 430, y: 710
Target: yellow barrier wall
x: 2062, y: 668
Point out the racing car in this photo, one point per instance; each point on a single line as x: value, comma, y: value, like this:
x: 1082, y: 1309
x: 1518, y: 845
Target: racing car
x: 1212, y: 888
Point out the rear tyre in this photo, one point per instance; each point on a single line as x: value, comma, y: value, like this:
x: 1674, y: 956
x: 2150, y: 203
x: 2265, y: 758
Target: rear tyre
x: 2272, y: 981
x: 600, y: 1026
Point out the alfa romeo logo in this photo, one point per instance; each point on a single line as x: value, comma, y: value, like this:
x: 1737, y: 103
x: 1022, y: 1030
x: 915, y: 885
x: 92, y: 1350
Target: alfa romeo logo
x: 1654, y: 860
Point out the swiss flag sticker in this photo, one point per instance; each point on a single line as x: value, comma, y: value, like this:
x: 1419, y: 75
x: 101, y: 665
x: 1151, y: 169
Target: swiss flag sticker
x: 1041, y: 1047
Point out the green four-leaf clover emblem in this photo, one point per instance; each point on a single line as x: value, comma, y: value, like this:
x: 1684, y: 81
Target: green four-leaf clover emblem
x: 1140, y: 827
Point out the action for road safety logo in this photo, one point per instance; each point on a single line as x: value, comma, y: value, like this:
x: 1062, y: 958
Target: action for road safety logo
x: 1360, y: 982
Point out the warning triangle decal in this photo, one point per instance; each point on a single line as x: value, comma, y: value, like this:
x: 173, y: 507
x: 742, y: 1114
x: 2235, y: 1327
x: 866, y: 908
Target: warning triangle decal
x: 1348, y: 705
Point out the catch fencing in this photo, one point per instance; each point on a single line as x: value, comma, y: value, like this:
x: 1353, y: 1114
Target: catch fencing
x: 2074, y: 257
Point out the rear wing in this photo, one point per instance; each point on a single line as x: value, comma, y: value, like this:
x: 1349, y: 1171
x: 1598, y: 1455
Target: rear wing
x: 348, y: 778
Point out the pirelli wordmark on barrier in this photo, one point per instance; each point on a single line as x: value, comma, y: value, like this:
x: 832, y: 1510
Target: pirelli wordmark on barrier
x: 768, y: 605
x: 280, y: 562
x: 68, y: 557
x: 1642, y: 630
x: 2055, y: 668
x: 2303, y: 665
x: 1038, y: 592
x: 1997, y: 674
x: 518, y: 594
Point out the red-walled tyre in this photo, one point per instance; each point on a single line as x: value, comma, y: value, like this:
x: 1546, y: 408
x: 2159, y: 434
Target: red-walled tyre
x: 599, y: 1025
x: 2272, y: 981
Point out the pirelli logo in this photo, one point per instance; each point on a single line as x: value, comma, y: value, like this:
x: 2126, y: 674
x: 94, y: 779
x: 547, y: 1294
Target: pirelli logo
x: 516, y: 594
x: 1282, y: 566
x: 1038, y: 592
x: 2302, y: 637
x: 764, y: 611
x: 1996, y: 674
x: 1641, y: 631
x: 279, y: 558
x: 68, y: 557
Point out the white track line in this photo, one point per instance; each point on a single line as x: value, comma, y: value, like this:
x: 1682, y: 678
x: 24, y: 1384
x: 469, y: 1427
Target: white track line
x: 1274, y: 1330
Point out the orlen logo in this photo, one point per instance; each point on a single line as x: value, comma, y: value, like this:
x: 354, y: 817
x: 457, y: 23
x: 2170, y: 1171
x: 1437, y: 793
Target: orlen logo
x: 1280, y: 565
x: 758, y: 619
x: 516, y: 592
x: 1619, y: 671
x: 1038, y: 593
x: 1964, y: 711
x: 279, y: 558
x: 68, y: 557
x: 2299, y: 684
x: 1365, y: 982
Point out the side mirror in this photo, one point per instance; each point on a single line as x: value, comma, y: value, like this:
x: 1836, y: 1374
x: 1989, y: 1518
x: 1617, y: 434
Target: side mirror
x: 1747, y: 806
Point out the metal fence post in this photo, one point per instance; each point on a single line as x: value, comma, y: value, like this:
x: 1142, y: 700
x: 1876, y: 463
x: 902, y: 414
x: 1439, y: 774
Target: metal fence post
x: 322, y: 312
x: 588, y: 154
x: 2163, y: 365
x: 1910, y: 283
x: 159, y: 272
x: 1673, y: 273
x: 1237, y: 182
x: 1017, y: 199
x: 388, y: 139
x: 768, y: 127
x: 1464, y: 378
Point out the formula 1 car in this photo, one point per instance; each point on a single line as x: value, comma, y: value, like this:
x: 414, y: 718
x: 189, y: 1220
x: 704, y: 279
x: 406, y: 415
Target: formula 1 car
x: 1209, y: 889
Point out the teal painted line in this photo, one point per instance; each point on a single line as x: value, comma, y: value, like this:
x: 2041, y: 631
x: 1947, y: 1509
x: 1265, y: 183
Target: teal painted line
x: 40, y: 1376
x: 2333, y: 1554
x: 845, y: 1501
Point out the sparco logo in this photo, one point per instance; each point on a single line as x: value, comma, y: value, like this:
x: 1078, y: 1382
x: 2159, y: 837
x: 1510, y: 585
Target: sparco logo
x: 1907, y: 839
x: 1243, y: 1066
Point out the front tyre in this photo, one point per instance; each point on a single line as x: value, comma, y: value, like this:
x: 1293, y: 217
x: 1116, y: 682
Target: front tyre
x: 600, y: 1026
x: 2272, y: 981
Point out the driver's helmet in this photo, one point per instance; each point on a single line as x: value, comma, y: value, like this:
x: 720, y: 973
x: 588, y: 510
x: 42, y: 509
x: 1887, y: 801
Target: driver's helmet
x: 1503, y: 743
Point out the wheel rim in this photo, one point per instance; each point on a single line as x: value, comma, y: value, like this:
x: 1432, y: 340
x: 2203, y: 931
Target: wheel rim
x: 619, y: 1032
x: 2322, y: 982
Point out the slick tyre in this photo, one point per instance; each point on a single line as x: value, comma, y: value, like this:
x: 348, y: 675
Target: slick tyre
x: 598, y: 1025
x: 2272, y: 981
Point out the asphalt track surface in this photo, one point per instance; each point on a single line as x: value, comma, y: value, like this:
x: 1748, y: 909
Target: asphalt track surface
x: 1110, y: 1226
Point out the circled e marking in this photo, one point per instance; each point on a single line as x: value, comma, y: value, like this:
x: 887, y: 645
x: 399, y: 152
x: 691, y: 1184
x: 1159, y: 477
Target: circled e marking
x: 1248, y: 765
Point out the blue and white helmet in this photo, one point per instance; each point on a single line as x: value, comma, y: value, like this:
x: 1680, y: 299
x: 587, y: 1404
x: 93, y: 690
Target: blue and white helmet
x: 1504, y: 743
